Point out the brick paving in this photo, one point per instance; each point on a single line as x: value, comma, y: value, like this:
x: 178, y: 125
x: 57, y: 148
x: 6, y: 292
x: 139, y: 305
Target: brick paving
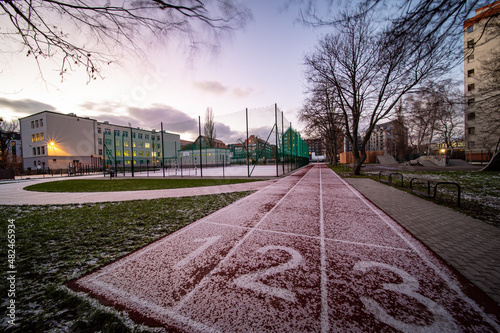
x: 471, y: 246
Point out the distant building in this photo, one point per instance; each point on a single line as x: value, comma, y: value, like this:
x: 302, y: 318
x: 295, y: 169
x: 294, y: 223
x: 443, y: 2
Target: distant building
x: 390, y: 137
x: 13, y: 154
x: 205, y: 143
x: 481, y: 43
x: 317, y: 149
x: 55, y: 140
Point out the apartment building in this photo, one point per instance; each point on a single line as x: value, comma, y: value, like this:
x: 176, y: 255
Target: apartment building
x: 481, y: 46
x: 55, y: 140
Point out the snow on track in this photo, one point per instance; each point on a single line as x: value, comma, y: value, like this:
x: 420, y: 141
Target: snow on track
x: 307, y: 253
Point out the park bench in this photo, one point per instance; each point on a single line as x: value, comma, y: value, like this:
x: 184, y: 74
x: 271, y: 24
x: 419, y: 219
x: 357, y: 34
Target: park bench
x: 389, y: 175
x: 436, y: 183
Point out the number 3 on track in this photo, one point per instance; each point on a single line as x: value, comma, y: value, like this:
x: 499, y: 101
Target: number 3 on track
x: 443, y: 321
x: 250, y: 280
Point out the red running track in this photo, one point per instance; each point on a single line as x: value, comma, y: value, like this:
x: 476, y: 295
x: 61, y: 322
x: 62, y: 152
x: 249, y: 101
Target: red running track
x: 307, y: 253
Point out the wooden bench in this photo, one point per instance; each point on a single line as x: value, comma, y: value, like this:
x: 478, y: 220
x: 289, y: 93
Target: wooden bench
x: 436, y: 183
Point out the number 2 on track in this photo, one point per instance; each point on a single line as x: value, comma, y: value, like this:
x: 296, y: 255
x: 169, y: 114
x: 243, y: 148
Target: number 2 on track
x: 250, y: 280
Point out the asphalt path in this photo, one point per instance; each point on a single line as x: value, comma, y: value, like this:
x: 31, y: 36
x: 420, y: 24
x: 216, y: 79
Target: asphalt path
x: 307, y: 253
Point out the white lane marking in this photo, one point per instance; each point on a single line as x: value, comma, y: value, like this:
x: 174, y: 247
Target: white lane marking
x: 209, y: 241
x: 447, y: 278
x: 157, y: 309
x: 148, y: 248
x: 313, y: 237
x: 207, y: 277
x: 250, y: 280
x: 325, y: 323
x: 443, y: 321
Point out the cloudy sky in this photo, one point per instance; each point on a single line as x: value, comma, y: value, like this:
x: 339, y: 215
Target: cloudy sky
x: 255, y: 68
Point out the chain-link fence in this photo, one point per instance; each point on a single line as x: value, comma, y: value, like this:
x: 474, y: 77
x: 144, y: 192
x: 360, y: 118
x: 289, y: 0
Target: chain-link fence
x: 251, y: 142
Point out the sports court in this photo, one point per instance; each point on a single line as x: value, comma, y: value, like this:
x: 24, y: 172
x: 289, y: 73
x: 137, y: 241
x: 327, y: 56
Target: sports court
x: 307, y: 253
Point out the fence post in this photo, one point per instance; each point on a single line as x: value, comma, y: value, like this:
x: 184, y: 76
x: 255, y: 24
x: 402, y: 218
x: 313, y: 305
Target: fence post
x: 162, y: 151
x: 201, y: 159
x: 246, y: 144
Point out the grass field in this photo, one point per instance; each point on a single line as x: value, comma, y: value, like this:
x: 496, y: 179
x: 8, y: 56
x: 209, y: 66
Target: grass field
x: 58, y: 243
x: 107, y: 185
x: 480, y: 190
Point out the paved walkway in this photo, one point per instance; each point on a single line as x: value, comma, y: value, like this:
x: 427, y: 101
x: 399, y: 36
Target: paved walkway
x: 471, y: 246
x: 306, y: 254
x: 13, y: 193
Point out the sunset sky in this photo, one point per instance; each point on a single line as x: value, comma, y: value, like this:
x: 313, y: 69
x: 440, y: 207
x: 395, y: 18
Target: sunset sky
x: 256, y: 67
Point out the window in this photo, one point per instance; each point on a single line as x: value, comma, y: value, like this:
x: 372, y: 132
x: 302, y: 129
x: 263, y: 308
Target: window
x: 118, y: 153
x: 141, y: 144
x: 99, y: 141
x: 34, y: 151
x: 43, y: 150
x: 139, y: 135
x: 471, y: 144
x: 36, y: 123
x: 147, y: 153
x: 471, y: 101
x: 107, y: 131
x: 117, y: 133
x: 100, y: 151
x: 126, y: 153
x: 38, y: 150
x: 470, y: 43
x: 99, y: 130
x: 125, y: 134
x: 117, y: 143
x: 471, y: 116
x: 470, y: 29
x: 133, y: 144
x: 147, y: 145
x: 146, y: 136
x: 141, y: 153
x: 107, y: 142
x: 470, y: 73
x: 42, y: 137
x: 133, y: 135
x: 33, y: 138
x: 158, y: 146
x: 158, y: 138
x: 125, y: 143
x: 41, y: 122
x: 471, y: 87
x: 37, y: 137
x: 32, y: 124
x: 471, y: 130
x: 134, y: 154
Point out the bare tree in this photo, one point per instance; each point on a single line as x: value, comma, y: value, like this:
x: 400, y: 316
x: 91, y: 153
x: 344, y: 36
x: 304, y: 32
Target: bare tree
x: 322, y: 119
x: 370, y: 69
x: 7, y: 130
x: 87, y: 33
x: 209, y: 130
x: 426, y: 20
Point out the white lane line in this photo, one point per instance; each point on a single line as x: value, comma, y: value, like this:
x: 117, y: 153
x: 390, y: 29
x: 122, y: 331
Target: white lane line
x: 208, y: 276
x: 325, y: 323
x: 313, y: 237
x: 152, y: 246
x: 446, y: 277
x: 159, y: 310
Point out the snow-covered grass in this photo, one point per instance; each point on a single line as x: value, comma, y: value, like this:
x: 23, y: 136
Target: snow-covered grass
x: 480, y: 192
x: 55, y: 244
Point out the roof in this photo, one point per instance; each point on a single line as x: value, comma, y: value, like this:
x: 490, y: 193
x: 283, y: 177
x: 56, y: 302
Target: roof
x: 483, y: 13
